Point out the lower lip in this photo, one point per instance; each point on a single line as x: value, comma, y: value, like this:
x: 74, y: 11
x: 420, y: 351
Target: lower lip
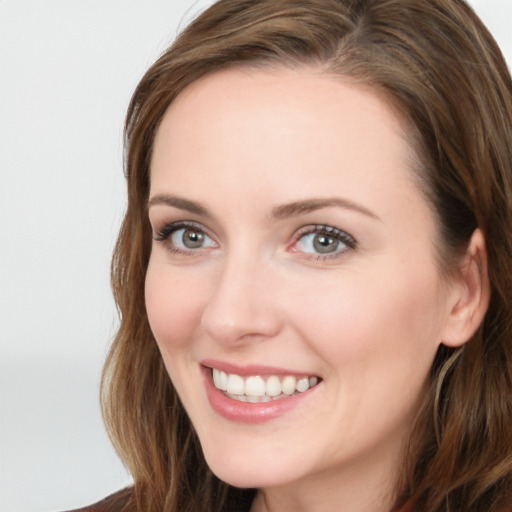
x: 246, y: 412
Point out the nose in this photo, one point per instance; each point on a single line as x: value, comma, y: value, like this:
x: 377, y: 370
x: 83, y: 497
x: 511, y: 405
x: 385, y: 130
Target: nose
x: 241, y: 307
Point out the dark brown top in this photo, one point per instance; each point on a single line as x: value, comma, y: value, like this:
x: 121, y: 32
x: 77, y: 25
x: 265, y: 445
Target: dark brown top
x: 117, y: 502
x: 120, y: 502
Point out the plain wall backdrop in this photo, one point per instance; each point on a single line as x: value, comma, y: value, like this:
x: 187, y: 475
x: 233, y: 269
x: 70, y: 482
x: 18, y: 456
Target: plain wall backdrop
x: 67, y: 71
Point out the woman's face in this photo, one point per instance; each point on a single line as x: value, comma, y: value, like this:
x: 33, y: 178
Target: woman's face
x: 294, y: 257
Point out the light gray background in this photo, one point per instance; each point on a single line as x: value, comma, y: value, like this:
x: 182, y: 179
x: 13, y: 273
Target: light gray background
x: 67, y: 70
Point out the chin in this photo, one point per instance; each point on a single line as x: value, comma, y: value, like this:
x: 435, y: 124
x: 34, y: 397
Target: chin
x: 248, y: 470
x: 249, y: 478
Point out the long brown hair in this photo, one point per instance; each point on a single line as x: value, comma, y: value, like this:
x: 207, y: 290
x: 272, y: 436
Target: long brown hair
x: 440, y: 68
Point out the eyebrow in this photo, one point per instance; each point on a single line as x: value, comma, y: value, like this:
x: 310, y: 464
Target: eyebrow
x: 311, y: 205
x: 278, y: 213
x: 178, y: 202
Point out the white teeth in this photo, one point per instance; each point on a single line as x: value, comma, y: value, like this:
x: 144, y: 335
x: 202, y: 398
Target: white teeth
x: 220, y: 379
x: 223, y: 381
x: 303, y: 385
x: 216, y: 380
x: 288, y: 385
x: 235, y: 384
x: 273, y: 386
x: 256, y: 389
x: 255, y: 386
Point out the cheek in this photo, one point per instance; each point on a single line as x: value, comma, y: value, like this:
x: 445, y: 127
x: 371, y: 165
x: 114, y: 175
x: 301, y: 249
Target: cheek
x: 378, y: 343
x: 369, y: 322
x: 173, y: 305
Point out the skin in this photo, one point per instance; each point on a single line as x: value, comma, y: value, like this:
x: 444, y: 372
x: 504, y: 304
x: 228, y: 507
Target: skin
x: 367, y: 319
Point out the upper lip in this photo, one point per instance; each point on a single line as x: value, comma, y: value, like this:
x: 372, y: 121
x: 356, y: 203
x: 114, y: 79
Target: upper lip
x: 248, y: 370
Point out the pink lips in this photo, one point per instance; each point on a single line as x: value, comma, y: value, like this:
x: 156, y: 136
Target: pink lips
x: 245, y: 412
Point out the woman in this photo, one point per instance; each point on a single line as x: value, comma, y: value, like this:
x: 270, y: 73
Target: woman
x: 314, y: 268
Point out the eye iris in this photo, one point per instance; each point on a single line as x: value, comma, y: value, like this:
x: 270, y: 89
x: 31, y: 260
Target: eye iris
x: 192, y: 239
x: 324, y: 243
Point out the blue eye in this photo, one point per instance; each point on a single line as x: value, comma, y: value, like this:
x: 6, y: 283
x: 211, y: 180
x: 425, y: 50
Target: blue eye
x: 184, y: 237
x: 190, y: 238
x: 324, y: 241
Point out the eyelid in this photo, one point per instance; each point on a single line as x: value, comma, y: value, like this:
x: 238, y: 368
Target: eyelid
x: 337, y: 233
x: 169, y: 228
x: 165, y: 234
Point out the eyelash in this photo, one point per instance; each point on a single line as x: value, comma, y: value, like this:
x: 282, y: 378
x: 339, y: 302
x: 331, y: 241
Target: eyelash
x: 166, y: 232
x: 343, y: 237
x: 324, y: 229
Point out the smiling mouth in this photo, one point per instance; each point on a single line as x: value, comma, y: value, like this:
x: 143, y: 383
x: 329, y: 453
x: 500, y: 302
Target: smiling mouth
x: 258, y: 389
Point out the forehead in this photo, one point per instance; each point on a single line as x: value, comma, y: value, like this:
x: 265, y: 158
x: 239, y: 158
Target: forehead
x: 295, y: 130
x: 305, y: 95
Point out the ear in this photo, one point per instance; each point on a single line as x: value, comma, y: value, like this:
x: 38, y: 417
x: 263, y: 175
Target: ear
x: 471, y: 294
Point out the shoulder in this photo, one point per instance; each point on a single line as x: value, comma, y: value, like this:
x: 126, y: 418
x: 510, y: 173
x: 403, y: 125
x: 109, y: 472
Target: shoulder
x: 117, y: 502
